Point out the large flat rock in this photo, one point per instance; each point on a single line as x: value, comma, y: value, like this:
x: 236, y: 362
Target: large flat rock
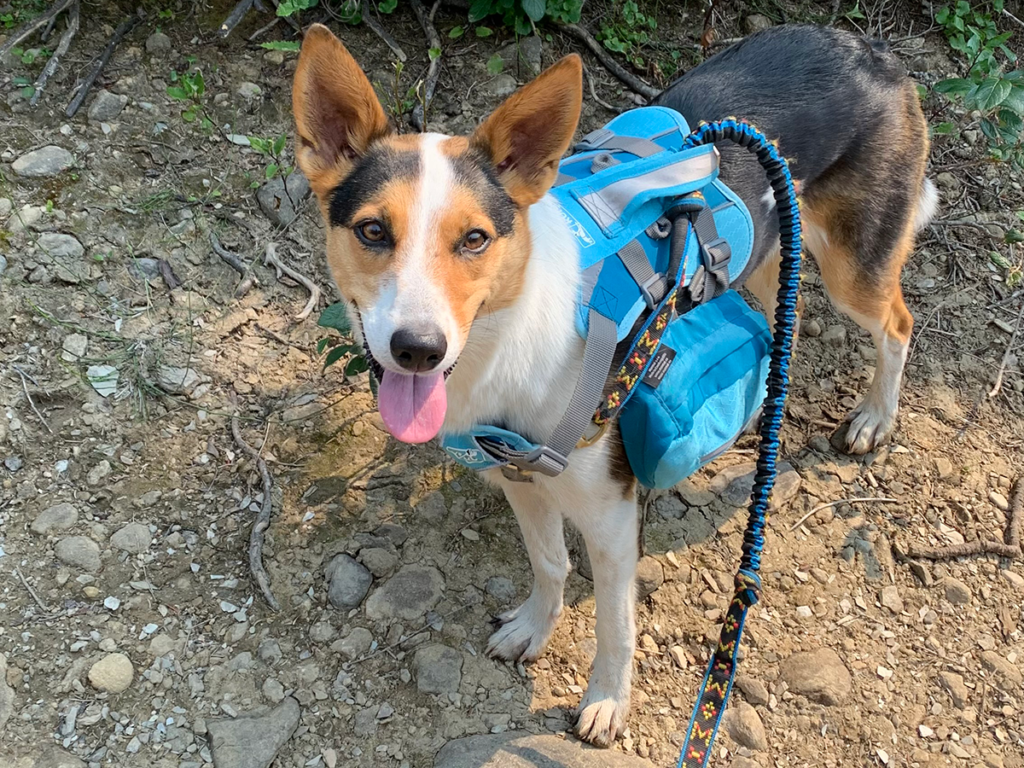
x: 509, y: 750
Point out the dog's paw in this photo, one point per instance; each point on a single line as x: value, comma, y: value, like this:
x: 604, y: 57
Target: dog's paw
x: 868, y: 427
x: 522, y: 634
x: 601, y: 717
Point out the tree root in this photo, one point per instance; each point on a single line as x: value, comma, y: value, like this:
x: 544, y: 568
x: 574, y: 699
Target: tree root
x: 242, y: 7
x: 234, y: 261
x: 419, y: 116
x: 1010, y: 548
x: 262, y: 522
x: 365, y: 9
x: 62, y: 48
x: 32, y: 25
x: 123, y: 29
x: 270, y: 259
x: 646, y: 90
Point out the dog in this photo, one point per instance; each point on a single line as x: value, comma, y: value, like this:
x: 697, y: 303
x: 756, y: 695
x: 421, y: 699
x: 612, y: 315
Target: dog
x: 448, y: 250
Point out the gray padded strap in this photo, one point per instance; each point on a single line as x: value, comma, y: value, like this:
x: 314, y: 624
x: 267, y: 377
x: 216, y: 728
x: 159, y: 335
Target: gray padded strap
x: 653, y: 286
x: 602, y: 138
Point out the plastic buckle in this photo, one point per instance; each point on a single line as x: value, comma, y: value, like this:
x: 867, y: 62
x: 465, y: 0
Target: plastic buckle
x: 593, y: 140
x: 544, y: 460
x: 710, y: 254
x: 653, y: 282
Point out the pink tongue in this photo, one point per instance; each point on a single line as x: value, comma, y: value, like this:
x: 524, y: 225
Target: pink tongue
x: 413, y: 405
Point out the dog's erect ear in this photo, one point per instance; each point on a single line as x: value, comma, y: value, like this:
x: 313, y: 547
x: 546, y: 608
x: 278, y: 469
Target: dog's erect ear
x: 527, y: 135
x: 337, y: 114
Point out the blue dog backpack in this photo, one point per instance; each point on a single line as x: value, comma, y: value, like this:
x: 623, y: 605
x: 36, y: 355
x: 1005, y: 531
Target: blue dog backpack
x: 661, y: 240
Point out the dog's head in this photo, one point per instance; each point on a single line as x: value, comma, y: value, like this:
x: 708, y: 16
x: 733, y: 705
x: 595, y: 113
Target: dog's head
x: 425, y: 232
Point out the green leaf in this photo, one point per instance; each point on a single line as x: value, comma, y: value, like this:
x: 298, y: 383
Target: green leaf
x: 198, y: 84
x: 943, y: 129
x: 279, y: 144
x: 434, y: 54
x: 272, y: 170
x: 456, y: 33
x: 1014, y: 236
x: 387, y: 6
x: 335, y: 355
x: 992, y: 92
x: 495, y: 64
x: 336, y: 317
x: 324, y: 343
x: 954, y: 87
x: 357, y: 365
x: 484, y: 31
x: 534, y: 9
x: 176, y: 92
x: 281, y: 45
x: 479, y: 9
x: 999, y: 260
x: 258, y: 144
x: 28, y: 92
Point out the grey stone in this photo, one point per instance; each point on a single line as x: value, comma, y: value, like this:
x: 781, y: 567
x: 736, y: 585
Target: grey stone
x: 956, y: 591
x: 649, y: 576
x: 145, y: 268
x: 744, y: 726
x: 6, y: 206
x: 733, y: 485
x: 835, y: 335
x: 249, y: 91
x: 158, y: 43
x: 513, y: 750
x: 273, y: 690
x: 134, y: 538
x: 175, y: 380
x: 58, y: 245
x: 74, y: 347
x: 753, y: 689
x: 322, y: 632
x: 819, y: 675
x: 14, y: 463
x: 79, y: 552
x: 55, y: 518
x: 500, y: 588
x: 438, y: 669
x: 379, y: 560
x: 6, y: 695
x: 523, y: 57
x: 354, y: 644
x: 253, y: 740
x: 3, y: 264
x: 279, y: 199
x: 43, y: 163
x: 432, y: 507
x: 97, y: 473
x: 347, y: 582
x: 407, y: 595
x: 755, y: 22
x: 106, y: 106
x: 498, y: 87
x: 57, y: 758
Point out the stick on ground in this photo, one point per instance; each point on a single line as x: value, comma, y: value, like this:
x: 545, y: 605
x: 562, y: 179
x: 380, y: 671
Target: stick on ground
x: 242, y: 7
x: 31, y: 26
x: 366, y: 9
x: 1010, y: 548
x: 998, y: 383
x: 24, y: 388
x: 419, y: 116
x: 62, y: 48
x: 646, y: 90
x: 270, y: 259
x: 123, y: 29
x: 262, y: 522
x: 820, y: 507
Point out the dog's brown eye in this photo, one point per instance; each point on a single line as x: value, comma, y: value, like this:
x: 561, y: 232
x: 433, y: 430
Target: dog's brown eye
x: 371, y: 232
x: 475, y: 241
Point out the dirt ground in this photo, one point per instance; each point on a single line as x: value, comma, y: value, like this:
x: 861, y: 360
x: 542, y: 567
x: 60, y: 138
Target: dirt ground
x: 132, y: 630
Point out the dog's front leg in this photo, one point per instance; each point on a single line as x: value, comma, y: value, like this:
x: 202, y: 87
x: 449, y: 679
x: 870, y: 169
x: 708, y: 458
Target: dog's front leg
x: 523, y: 632
x: 611, y: 534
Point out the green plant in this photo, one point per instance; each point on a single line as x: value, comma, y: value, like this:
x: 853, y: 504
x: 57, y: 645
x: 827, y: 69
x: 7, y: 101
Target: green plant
x: 628, y: 32
x: 523, y: 15
x: 997, y: 94
x: 31, y: 55
x: 190, y: 87
x: 336, y: 317
x: 271, y: 148
x: 398, y: 101
x: 281, y: 45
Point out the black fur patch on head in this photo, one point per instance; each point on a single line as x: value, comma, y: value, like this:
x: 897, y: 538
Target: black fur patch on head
x: 374, y: 170
x: 473, y: 170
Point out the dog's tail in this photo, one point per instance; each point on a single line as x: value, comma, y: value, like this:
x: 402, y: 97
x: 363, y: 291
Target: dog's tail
x: 927, y: 205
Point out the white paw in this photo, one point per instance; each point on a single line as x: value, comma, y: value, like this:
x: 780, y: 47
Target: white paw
x: 523, y: 633
x: 869, y: 426
x: 601, y: 717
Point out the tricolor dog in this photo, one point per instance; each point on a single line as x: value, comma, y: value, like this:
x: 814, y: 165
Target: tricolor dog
x: 461, y: 274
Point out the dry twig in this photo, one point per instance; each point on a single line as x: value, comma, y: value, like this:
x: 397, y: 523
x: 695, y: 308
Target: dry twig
x: 820, y: 507
x: 998, y: 383
x: 1010, y: 548
x: 238, y: 13
x: 366, y: 9
x: 593, y: 93
x: 61, y: 49
x: 32, y: 592
x: 270, y: 259
x: 646, y: 90
x: 24, y: 388
x: 123, y: 29
x: 419, y: 112
x: 234, y: 261
x: 262, y: 522
x: 31, y: 26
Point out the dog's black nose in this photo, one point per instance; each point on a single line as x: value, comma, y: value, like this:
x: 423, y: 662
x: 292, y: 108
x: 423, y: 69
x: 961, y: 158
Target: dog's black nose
x: 418, y: 351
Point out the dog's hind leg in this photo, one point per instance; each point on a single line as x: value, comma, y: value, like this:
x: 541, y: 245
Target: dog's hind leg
x: 523, y: 632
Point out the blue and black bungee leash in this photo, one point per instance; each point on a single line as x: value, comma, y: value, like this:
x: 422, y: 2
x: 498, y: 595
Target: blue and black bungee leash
x: 718, y: 680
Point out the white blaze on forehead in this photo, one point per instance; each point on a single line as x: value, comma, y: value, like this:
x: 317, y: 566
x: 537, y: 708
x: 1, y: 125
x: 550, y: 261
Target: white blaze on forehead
x: 412, y: 298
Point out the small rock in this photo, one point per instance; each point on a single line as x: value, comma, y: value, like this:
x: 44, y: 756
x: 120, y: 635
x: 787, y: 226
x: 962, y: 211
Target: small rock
x: 678, y: 656
x: 407, y: 595
x: 438, y: 669
x: 161, y: 645
x: 175, y: 380
x: 249, y: 91
x: 891, y: 599
x: 500, y: 588
x: 321, y: 632
x: 835, y: 335
x: 74, y: 347
x: 13, y: 463
x: 1004, y: 671
x: 57, y: 245
x: 944, y: 468
x: 956, y: 591
x: 756, y: 22
x: 158, y: 43
x: 744, y: 726
x: 253, y: 740
x: 98, y: 473
x: 6, y: 206
x: 55, y: 518
x: 6, y: 695
x: 79, y: 552
x: 753, y: 690
x: 279, y: 206
x: 134, y: 538
x: 273, y: 690
x: 106, y: 106
x: 112, y: 674
x: 810, y: 328
x: 515, y: 749
x: 819, y: 675
x: 3, y: 264
x: 355, y: 644
x: 1013, y: 578
x: 649, y: 576
x: 954, y: 686
x: 498, y: 87
x: 999, y: 500
x: 43, y: 163
x: 347, y: 582
x: 380, y: 561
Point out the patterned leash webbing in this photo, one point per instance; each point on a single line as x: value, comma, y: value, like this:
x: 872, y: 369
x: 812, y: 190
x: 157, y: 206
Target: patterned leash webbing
x: 717, y: 685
